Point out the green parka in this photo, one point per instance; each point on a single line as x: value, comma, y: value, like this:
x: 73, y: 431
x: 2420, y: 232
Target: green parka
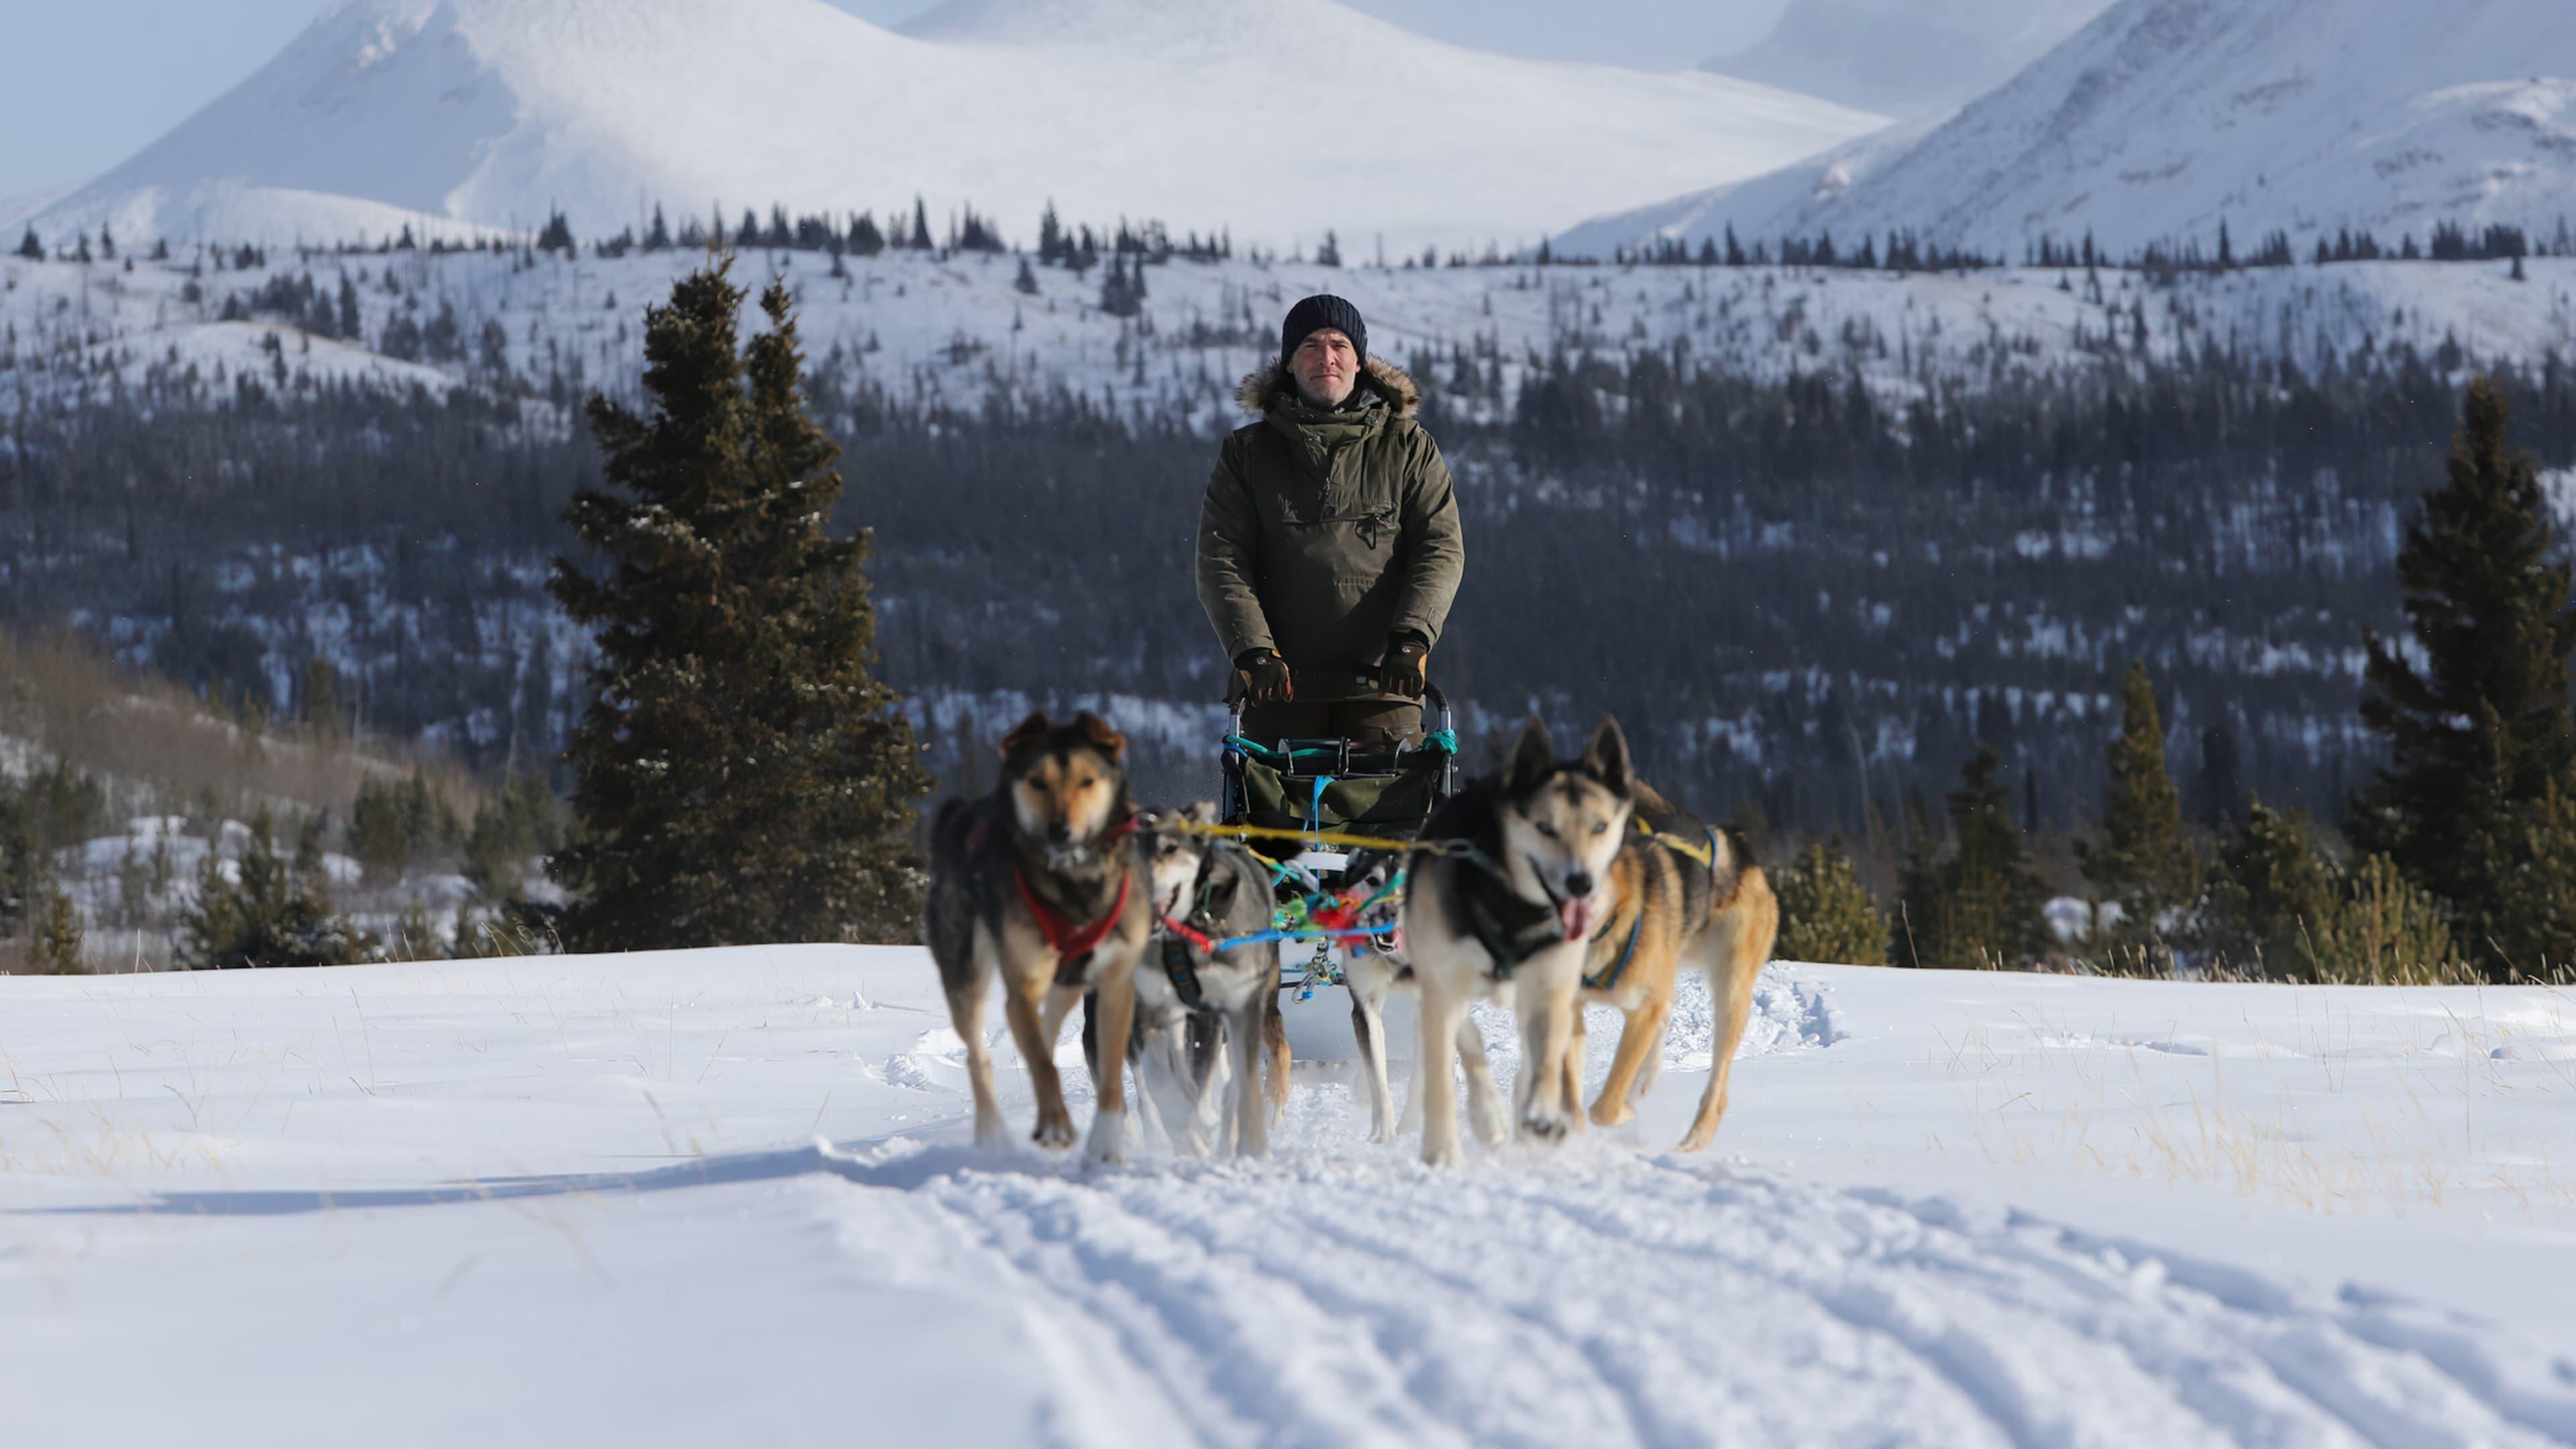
x: 1326, y: 531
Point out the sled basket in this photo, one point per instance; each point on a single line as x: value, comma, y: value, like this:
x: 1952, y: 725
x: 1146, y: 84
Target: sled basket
x: 1337, y: 786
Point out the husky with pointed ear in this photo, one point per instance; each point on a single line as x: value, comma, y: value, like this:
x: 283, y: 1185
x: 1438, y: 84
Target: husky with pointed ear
x: 1509, y: 913
x: 1039, y: 884
x: 1682, y: 894
x: 1202, y: 989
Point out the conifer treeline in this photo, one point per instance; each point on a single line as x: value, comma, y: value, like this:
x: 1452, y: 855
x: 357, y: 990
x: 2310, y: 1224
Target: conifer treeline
x: 2462, y: 857
x: 1901, y: 249
x: 2203, y: 507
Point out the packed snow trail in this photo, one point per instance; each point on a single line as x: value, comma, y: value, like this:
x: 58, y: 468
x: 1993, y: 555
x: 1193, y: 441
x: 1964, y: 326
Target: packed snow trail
x: 1607, y: 1299
x: 547, y: 1202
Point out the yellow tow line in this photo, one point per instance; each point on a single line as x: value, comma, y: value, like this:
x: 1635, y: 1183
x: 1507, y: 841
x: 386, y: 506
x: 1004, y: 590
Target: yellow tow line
x: 1698, y: 850
x: 1272, y: 832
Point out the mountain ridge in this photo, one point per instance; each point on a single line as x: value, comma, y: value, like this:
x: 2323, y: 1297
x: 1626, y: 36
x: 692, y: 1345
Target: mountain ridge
x: 2163, y: 118
x: 492, y: 114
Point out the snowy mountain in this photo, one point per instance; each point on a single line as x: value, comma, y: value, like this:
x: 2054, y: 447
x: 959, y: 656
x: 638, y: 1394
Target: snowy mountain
x: 457, y: 114
x: 2163, y: 118
x: 1905, y: 57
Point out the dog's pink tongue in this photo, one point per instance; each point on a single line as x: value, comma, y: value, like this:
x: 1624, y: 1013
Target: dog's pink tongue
x: 1576, y: 916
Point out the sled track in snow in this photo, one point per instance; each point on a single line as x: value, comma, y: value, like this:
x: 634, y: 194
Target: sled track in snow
x: 1596, y: 1296
x: 1609, y: 1299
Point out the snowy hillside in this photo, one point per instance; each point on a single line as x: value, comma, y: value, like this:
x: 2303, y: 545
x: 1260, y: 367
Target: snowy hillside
x: 955, y: 331
x: 2163, y: 118
x: 579, y: 1200
x: 1904, y: 57
x: 1206, y: 114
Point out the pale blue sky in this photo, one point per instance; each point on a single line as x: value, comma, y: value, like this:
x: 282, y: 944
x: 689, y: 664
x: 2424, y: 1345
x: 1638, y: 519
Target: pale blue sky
x: 85, y: 83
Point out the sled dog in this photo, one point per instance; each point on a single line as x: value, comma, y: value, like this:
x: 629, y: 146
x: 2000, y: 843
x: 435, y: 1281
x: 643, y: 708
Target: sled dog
x: 1510, y: 917
x: 1373, y: 977
x: 1197, y: 995
x: 1680, y: 893
x: 1040, y: 883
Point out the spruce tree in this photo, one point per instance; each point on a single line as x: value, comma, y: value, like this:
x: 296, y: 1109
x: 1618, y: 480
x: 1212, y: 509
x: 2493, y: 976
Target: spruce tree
x: 30, y: 248
x: 1826, y: 914
x: 2141, y: 861
x: 2529, y: 863
x: 1050, y: 235
x: 55, y: 946
x: 1984, y: 906
x: 265, y: 914
x: 2483, y: 729
x: 740, y: 776
x: 22, y: 860
x: 2272, y: 908
x: 2218, y: 795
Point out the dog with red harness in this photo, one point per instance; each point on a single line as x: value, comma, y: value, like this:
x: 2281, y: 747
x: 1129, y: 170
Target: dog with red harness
x: 1039, y: 885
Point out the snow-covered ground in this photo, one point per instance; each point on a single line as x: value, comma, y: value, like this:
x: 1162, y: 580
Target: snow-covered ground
x: 955, y: 330
x: 581, y: 1200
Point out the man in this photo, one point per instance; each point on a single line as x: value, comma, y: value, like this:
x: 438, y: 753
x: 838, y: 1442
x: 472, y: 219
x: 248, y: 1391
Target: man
x: 1328, y: 546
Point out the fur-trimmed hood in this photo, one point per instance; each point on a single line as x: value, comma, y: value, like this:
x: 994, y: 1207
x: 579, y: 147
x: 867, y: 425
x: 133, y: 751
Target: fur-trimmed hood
x: 1386, y: 379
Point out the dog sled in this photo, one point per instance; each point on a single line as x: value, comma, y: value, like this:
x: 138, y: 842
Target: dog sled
x: 1331, y: 818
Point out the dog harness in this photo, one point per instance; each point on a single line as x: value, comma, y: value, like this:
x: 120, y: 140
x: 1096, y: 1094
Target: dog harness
x: 1180, y: 936
x: 1073, y: 944
x: 1508, y: 925
x: 1609, y: 980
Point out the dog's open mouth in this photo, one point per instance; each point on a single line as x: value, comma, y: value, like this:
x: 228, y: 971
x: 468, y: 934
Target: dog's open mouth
x: 1575, y: 915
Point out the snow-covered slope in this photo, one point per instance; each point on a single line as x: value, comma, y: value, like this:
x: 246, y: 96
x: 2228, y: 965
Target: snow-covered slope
x: 957, y: 331
x: 579, y: 1200
x: 1277, y: 118
x: 2164, y: 117
x: 1905, y: 57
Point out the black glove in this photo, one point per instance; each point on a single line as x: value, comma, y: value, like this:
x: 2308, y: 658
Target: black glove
x: 1260, y: 677
x: 1404, y: 670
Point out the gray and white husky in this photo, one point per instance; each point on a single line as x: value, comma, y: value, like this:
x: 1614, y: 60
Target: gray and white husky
x: 1197, y: 997
x: 1508, y: 916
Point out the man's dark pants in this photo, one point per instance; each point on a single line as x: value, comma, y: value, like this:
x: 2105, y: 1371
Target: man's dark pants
x: 1378, y: 723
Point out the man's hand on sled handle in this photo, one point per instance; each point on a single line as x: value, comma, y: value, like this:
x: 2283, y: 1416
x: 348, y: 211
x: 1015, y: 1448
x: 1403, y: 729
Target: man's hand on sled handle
x: 1406, y: 670
x: 1260, y: 677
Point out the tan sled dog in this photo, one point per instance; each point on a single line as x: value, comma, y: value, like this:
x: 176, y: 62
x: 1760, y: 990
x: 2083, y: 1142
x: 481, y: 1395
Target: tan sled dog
x: 1680, y: 892
x: 1041, y: 884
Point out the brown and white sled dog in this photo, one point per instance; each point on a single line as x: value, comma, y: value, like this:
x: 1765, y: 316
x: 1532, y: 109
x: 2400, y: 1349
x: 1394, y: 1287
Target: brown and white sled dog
x: 1039, y: 884
x: 1681, y: 893
x: 1510, y: 917
x: 1197, y: 996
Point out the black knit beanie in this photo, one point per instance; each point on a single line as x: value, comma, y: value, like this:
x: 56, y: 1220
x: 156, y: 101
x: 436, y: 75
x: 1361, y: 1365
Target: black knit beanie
x: 1314, y: 315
